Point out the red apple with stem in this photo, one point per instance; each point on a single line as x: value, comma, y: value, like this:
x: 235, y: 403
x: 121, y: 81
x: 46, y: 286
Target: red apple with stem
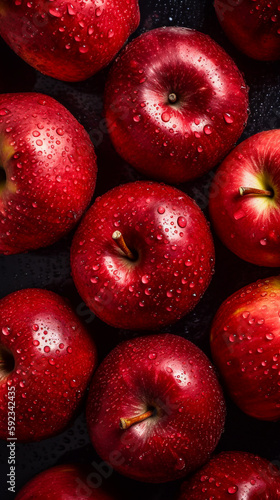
x: 70, y: 41
x: 175, y: 104
x: 46, y: 362
x: 64, y: 482
x: 47, y: 171
x: 252, y: 26
x: 245, y: 200
x: 142, y: 256
x: 155, y: 409
x: 234, y: 474
x: 245, y: 344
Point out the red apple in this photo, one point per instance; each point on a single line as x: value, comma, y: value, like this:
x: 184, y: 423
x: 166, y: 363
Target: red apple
x: 175, y: 104
x: 155, y: 409
x: 245, y: 200
x: 47, y: 171
x: 234, y: 474
x: 65, y: 482
x: 245, y: 344
x: 46, y: 361
x: 68, y: 40
x: 253, y: 26
x: 142, y: 256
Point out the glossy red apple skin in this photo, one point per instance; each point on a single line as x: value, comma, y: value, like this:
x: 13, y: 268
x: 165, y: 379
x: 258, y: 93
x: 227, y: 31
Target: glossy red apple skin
x: 50, y: 167
x: 69, y: 41
x: 234, y: 474
x: 249, y: 225
x: 253, y: 27
x: 175, y: 252
x: 63, y: 482
x: 245, y: 344
x: 172, y: 375
x: 175, y: 142
x: 54, y: 358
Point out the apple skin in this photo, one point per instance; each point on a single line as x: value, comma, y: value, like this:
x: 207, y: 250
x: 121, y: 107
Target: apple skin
x: 63, y: 482
x: 170, y: 374
x: 47, y: 171
x: 69, y: 41
x: 48, y: 359
x: 245, y: 344
x: 249, y: 225
x: 175, y: 142
x: 175, y: 256
x: 253, y: 27
x: 243, y: 476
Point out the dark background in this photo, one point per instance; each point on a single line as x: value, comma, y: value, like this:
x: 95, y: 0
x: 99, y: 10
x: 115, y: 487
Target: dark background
x: 49, y: 268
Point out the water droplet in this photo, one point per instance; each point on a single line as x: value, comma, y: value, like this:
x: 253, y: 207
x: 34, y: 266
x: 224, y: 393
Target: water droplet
x: 165, y: 117
x: 208, y: 130
x: 180, y: 464
x: 4, y: 111
x: 161, y: 210
x: 145, y: 279
x: 239, y: 215
x: 181, y: 221
x: 6, y: 330
x: 228, y: 118
x: 54, y: 12
x: 152, y: 355
x: 269, y: 336
x: 71, y: 10
x: 232, y: 489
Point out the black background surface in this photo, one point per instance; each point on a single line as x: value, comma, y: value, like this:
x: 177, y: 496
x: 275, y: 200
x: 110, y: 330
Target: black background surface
x: 49, y: 268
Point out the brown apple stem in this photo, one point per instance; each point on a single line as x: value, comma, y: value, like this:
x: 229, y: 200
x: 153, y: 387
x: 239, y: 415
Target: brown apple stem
x: 172, y: 98
x: 125, y: 423
x: 243, y: 191
x: 118, y: 238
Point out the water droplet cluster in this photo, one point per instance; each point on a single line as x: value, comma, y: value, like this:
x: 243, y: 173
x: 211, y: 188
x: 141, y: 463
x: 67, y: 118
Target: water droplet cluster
x: 165, y: 364
x: 232, y: 475
x: 170, y: 238
x: 184, y: 139
x: 53, y: 361
x: 50, y: 168
x: 245, y: 340
x: 69, y: 40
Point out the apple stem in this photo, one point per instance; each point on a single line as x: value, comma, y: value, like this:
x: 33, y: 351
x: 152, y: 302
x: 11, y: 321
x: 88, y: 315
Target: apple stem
x: 243, y: 191
x: 125, y: 423
x: 118, y: 238
x: 172, y: 98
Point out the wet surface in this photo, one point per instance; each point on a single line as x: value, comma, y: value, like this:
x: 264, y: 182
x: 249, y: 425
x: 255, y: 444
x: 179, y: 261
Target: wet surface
x: 50, y: 268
